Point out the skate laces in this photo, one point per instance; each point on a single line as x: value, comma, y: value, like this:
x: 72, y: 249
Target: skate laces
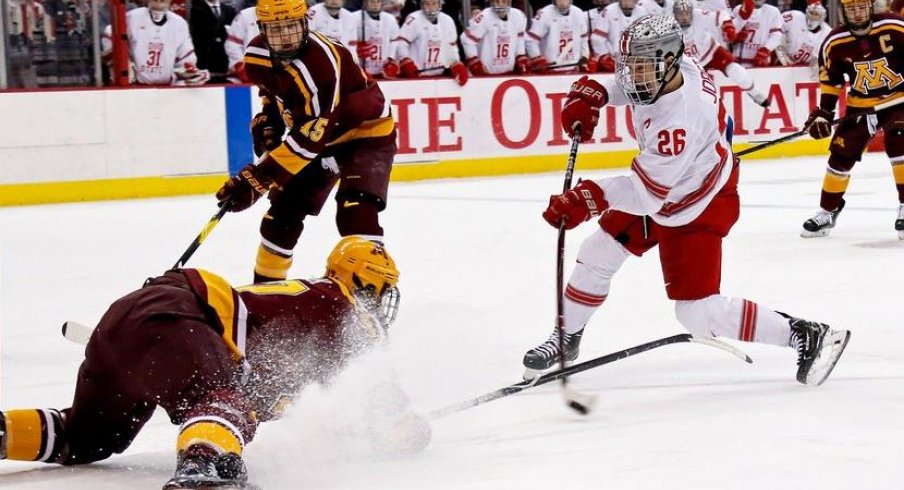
x: 823, y: 217
x: 550, y: 348
x: 901, y: 211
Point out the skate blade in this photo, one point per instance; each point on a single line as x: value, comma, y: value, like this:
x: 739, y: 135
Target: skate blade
x: 533, y: 374
x: 833, y: 347
x: 901, y: 235
x: 815, y: 234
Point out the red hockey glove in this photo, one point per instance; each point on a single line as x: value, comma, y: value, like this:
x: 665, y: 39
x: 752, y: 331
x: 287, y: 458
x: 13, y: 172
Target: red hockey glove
x: 459, y: 73
x: 267, y: 130
x: 729, y: 32
x: 763, y: 57
x: 747, y: 8
x: 606, y: 64
x: 583, y: 107
x: 588, y: 65
x: 819, y: 123
x: 409, y: 69
x: 476, y: 66
x: 539, y: 64
x: 391, y: 69
x: 240, y: 73
x: 576, y: 206
x: 522, y: 65
x: 244, y: 189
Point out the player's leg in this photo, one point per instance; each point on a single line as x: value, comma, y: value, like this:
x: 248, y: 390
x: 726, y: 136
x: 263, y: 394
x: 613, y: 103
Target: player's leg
x: 893, y: 125
x: 850, y: 139
x: 365, y: 166
x: 600, y: 257
x: 304, y: 195
x: 723, y: 61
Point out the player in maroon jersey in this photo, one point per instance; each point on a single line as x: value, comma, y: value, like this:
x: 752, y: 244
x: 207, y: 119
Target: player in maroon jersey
x: 219, y: 360
x: 339, y: 129
x: 866, y: 48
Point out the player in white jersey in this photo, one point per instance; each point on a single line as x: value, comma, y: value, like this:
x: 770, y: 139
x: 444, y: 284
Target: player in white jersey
x: 804, y: 34
x: 494, y: 40
x: 428, y: 44
x: 242, y: 30
x: 330, y: 19
x: 607, y: 28
x: 680, y: 195
x: 371, y: 35
x: 654, y: 7
x: 759, y: 32
x: 701, y: 29
x: 558, y: 37
x: 160, y: 46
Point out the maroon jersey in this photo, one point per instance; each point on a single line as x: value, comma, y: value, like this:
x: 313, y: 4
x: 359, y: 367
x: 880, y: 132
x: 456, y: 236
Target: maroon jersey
x: 324, y: 97
x: 291, y: 333
x: 873, y: 63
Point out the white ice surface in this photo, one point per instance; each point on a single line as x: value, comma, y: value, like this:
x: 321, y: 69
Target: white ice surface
x: 477, y: 285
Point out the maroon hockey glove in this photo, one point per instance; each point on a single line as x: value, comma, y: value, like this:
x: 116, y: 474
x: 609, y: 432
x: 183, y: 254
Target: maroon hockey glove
x: 819, y: 123
x: 522, y: 65
x: 729, y: 33
x: 244, y: 189
x: 539, y: 65
x: 267, y: 130
x: 583, y: 107
x: 476, y: 66
x: 459, y: 73
x: 391, y: 69
x: 763, y: 57
x: 606, y: 64
x: 409, y: 69
x: 576, y: 206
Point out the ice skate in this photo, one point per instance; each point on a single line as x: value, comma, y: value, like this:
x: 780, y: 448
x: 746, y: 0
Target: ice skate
x: 899, y: 222
x: 221, y: 472
x: 546, y: 355
x: 821, y: 224
x: 818, y: 349
x: 760, y: 99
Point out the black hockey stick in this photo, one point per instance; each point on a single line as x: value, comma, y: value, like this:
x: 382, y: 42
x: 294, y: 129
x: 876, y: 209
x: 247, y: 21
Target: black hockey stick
x: 584, y: 366
x: 577, y: 402
x: 200, y: 238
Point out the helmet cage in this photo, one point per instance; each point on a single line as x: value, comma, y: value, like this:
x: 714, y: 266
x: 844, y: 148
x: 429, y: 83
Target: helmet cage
x: 857, y: 15
x: 816, y: 15
x: 285, y: 38
x: 649, y: 57
x: 684, y: 13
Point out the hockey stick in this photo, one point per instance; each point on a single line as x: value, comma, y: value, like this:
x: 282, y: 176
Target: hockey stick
x: 576, y: 401
x: 584, y: 366
x: 878, y: 107
x: 199, y: 239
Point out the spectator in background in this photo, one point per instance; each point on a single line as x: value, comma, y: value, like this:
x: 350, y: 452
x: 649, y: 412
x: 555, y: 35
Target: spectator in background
x: 160, y: 48
x: 208, y: 21
x: 28, y: 19
x: 242, y: 30
x: 494, y: 41
x: 427, y: 44
x: 330, y: 19
x: 759, y: 27
x: 558, y: 37
x: 371, y: 34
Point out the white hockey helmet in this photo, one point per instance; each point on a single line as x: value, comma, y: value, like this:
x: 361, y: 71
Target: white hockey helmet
x: 627, y: 6
x: 333, y: 6
x: 373, y: 8
x: 650, y: 51
x: 684, y: 13
x: 816, y: 15
x: 159, y: 5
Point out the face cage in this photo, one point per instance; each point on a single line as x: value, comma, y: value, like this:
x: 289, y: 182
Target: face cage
x: 285, y: 37
x: 684, y: 17
x: 641, y: 92
x: 814, y: 20
x: 502, y: 12
x: 865, y: 9
x: 385, y: 307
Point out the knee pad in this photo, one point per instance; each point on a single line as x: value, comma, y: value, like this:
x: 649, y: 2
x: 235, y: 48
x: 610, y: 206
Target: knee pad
x: 601, y: 254
x: 281, y: 231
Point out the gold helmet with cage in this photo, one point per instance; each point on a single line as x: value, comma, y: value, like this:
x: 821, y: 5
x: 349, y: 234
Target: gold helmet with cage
x: 857, y: 15
x: 284, y: 25
x: 369, y: 273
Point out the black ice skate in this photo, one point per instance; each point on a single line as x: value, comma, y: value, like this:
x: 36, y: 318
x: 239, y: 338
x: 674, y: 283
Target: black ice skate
x: 2, y: 436
x: 899, y: 222
x: 818, y: 349
x: 546, y: 355
x: 221, y: 472
x: 822, y: 223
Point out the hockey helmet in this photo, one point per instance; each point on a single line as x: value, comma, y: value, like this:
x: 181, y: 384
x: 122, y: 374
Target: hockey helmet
x: 857, y: 15
x: 334, y: 6
x: 369, y: 273
x: 684, y: 13
x: 650, y: 51
x: 431, y: 9
x: 759, y: 3
x: 501, y: 7
x: 284, y: 26
x: 563, y: 6
x: 816, y: 15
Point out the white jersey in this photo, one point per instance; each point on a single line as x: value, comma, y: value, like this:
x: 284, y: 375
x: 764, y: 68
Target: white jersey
x: 429, y: 44
x: 763, y: 28
x: 684, y: 158
x: 561, y: 39
x: 607, y: 28
x: 703, y: 36
x: 497, y: 42
x: 802, y: 44
x: 242, y: 30
x: 155, y: 49
x: 653, y: 7
x: 714, y: 5
x: 374, y: 38
x: 336, y: 29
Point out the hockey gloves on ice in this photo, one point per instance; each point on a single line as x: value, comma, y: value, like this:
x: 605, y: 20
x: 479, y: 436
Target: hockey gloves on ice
x: 582, y: 107
x: 459, y: 73
x: 244, y: 189
x: 586, y: 200
x: 267, y: 130
x: 819, y: 123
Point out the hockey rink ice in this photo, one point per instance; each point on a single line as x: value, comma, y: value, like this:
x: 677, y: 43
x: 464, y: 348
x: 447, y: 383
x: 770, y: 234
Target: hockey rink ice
x: 477, y: 269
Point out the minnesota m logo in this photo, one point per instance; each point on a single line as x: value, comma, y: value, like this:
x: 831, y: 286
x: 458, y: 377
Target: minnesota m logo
x: 875, y: 74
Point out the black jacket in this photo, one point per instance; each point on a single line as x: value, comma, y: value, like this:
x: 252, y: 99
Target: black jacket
x: 208, y: 33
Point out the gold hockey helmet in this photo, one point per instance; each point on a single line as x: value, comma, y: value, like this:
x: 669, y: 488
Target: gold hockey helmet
x: 284, y: 25
x: 369, y: 273
x: 857, y: 15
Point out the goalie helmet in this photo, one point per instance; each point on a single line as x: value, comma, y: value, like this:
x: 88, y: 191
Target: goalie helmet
x: 816, y: 15
x: 284, y: 26
x: 684, y: 13
x: 650, y: 51
x: 857, y: 15
x: 369, y: 273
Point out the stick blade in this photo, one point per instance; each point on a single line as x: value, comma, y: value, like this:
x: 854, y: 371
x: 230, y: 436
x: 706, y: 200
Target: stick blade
x: 77, y: 332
